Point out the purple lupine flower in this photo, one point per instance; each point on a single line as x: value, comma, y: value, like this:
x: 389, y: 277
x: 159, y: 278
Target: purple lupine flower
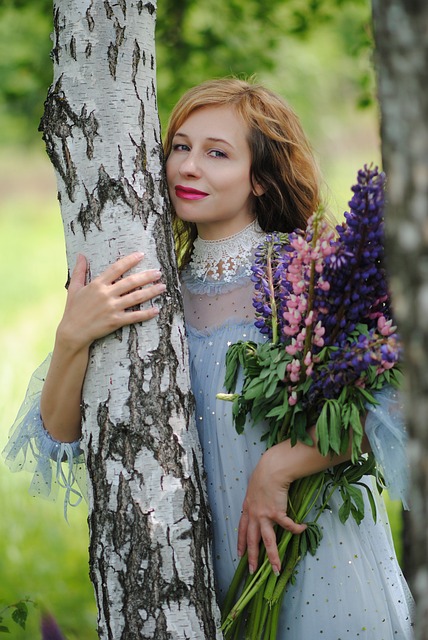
x: 270, y: 255
x: 50, y: 629
x: 317, y: 290
x: 358, y: 286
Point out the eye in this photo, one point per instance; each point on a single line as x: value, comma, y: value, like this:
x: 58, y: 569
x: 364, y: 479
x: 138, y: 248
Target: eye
x: 215, y: 153
x: 180, y: 147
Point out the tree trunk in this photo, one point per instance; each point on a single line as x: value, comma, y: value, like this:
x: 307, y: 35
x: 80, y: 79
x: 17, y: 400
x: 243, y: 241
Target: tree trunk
x: 401, y: 36
x: 150, y: 559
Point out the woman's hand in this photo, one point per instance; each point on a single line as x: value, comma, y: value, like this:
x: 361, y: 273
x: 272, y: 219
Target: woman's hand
x: 266, y: 500
x: 104, y: 305
x: 91, y: 311
x: 265, y: 505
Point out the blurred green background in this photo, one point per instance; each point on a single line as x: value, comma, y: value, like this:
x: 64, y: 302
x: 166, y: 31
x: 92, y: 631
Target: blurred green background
x: 316, y: 53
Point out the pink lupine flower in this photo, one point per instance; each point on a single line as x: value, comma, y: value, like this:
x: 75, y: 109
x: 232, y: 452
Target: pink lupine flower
x: 292, y: 399
x: 385, y: 327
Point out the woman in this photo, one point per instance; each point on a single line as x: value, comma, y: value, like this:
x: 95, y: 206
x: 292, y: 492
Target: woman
x: 238, y: 165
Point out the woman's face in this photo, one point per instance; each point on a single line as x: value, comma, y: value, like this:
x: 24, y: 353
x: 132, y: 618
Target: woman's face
x: 208, y: 172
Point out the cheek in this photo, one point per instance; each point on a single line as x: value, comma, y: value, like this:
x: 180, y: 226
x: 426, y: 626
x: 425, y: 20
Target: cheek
x: 169, y: 173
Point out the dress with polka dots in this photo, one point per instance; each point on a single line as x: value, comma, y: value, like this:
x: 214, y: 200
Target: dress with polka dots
x: 353, y: 587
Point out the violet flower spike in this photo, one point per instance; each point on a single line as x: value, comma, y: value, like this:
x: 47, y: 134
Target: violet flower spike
x: 355, y: 271
x: 50, y: 629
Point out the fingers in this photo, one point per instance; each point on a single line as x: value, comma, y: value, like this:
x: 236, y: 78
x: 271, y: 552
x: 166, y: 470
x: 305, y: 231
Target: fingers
x: 251, y: 532
x: 120, y: 267
x: 242, y: 533
x: 130, y: 286
x: 130, y: 283
x: 110, y: 301
x: 78, y: 276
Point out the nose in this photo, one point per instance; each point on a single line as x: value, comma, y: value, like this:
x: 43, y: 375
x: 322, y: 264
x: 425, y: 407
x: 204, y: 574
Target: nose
x: 189, y: 165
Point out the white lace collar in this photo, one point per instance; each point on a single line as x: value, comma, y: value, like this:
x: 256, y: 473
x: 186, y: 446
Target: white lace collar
x: 224, y: 258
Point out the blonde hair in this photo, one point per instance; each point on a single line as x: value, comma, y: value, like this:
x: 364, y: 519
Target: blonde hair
x: 282, y: 162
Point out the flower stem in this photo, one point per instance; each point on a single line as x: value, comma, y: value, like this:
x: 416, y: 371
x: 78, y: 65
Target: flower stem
x: 303, y: 492
x: 272, y: 294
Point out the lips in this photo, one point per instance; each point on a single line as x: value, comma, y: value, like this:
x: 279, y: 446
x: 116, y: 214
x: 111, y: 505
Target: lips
x: 187, y: 193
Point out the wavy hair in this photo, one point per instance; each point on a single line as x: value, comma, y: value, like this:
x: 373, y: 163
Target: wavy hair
x: 282, y: 161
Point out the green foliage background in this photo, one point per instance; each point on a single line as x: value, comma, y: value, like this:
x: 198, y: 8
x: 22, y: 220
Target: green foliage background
x: 317, y: 53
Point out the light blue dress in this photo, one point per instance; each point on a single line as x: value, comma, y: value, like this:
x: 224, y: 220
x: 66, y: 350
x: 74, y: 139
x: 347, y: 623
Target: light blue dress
x: 353, y: 587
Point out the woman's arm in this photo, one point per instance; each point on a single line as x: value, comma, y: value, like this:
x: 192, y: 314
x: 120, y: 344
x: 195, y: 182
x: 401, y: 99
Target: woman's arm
x: 266, y: 499
x: 91, y: 312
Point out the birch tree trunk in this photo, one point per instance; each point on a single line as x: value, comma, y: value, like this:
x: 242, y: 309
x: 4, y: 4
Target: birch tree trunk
x: 401, y: 36
x: 150, y: 559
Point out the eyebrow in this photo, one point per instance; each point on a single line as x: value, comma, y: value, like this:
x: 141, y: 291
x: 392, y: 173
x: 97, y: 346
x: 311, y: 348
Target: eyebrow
x: 210, y: 138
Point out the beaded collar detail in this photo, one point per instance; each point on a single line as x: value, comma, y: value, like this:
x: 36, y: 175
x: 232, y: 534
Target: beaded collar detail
x: 224, y: 258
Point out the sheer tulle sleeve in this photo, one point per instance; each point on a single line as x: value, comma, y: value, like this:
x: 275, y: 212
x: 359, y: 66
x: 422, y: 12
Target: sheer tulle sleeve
x: 30, y: 447
x: 387, y: 435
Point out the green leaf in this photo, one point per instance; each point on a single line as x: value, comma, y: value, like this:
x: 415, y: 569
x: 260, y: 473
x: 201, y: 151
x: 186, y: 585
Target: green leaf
x: 356, y: 497
x: 239, y: 413
x: 328, y: 428
x: 232, y: 366
x: 345, y: 510
x: 321, y: 431
x: 368, y: 396
x: 281, y: 369
x: 278, y: 412
x: 20, y: 614
x: 358, y: 432
x: 271, y: 388
x: 300, y: 424
x: 254, y: 389
x: 313, y: 535
x: 335, y: 427
x: 372, y: 501
x: 303, y: 546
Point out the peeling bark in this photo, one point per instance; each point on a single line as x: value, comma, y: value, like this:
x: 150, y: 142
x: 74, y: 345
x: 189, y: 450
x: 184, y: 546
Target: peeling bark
x: 150, y: 556
x: 401, y: 36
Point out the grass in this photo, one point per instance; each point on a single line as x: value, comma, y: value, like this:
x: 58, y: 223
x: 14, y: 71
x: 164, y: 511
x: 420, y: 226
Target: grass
x: 41, y: 556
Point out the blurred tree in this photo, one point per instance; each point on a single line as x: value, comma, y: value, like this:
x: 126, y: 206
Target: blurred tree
x: 401, y: 29
x: 195, y: 41
x: 150, y: 555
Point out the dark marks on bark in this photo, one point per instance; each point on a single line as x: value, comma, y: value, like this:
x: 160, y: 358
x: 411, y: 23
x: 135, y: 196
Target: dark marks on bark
x: 58, y: 123
x: 150, y: 8
x: 131, y: 536
x: 89, y: 19
x: 109, y: 11
x: 56, y: 49
x: 113, y: 48
x: 122, y: 5
x: 73, y: 48
x: 136, y: 57
x: 56, y: 126
x: 112, y: 59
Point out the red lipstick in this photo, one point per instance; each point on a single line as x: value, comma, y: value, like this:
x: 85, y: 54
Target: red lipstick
x: 188, y: 193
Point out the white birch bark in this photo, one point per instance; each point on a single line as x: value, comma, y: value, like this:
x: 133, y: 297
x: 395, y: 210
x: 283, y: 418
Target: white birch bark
x: 401, y: 36
x: 150, y: 559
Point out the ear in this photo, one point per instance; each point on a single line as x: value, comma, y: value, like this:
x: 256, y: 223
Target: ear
x: 258, y: 190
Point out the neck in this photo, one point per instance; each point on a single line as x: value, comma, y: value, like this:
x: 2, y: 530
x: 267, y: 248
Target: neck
x: 223, y: 229
x: 226, y: 257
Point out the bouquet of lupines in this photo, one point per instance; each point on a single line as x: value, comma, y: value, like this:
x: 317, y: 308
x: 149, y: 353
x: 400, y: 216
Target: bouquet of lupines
x: 322, y: 300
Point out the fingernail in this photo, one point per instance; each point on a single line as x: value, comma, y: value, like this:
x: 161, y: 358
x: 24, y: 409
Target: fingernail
x: 276, y: 571
x: 251, y: 569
